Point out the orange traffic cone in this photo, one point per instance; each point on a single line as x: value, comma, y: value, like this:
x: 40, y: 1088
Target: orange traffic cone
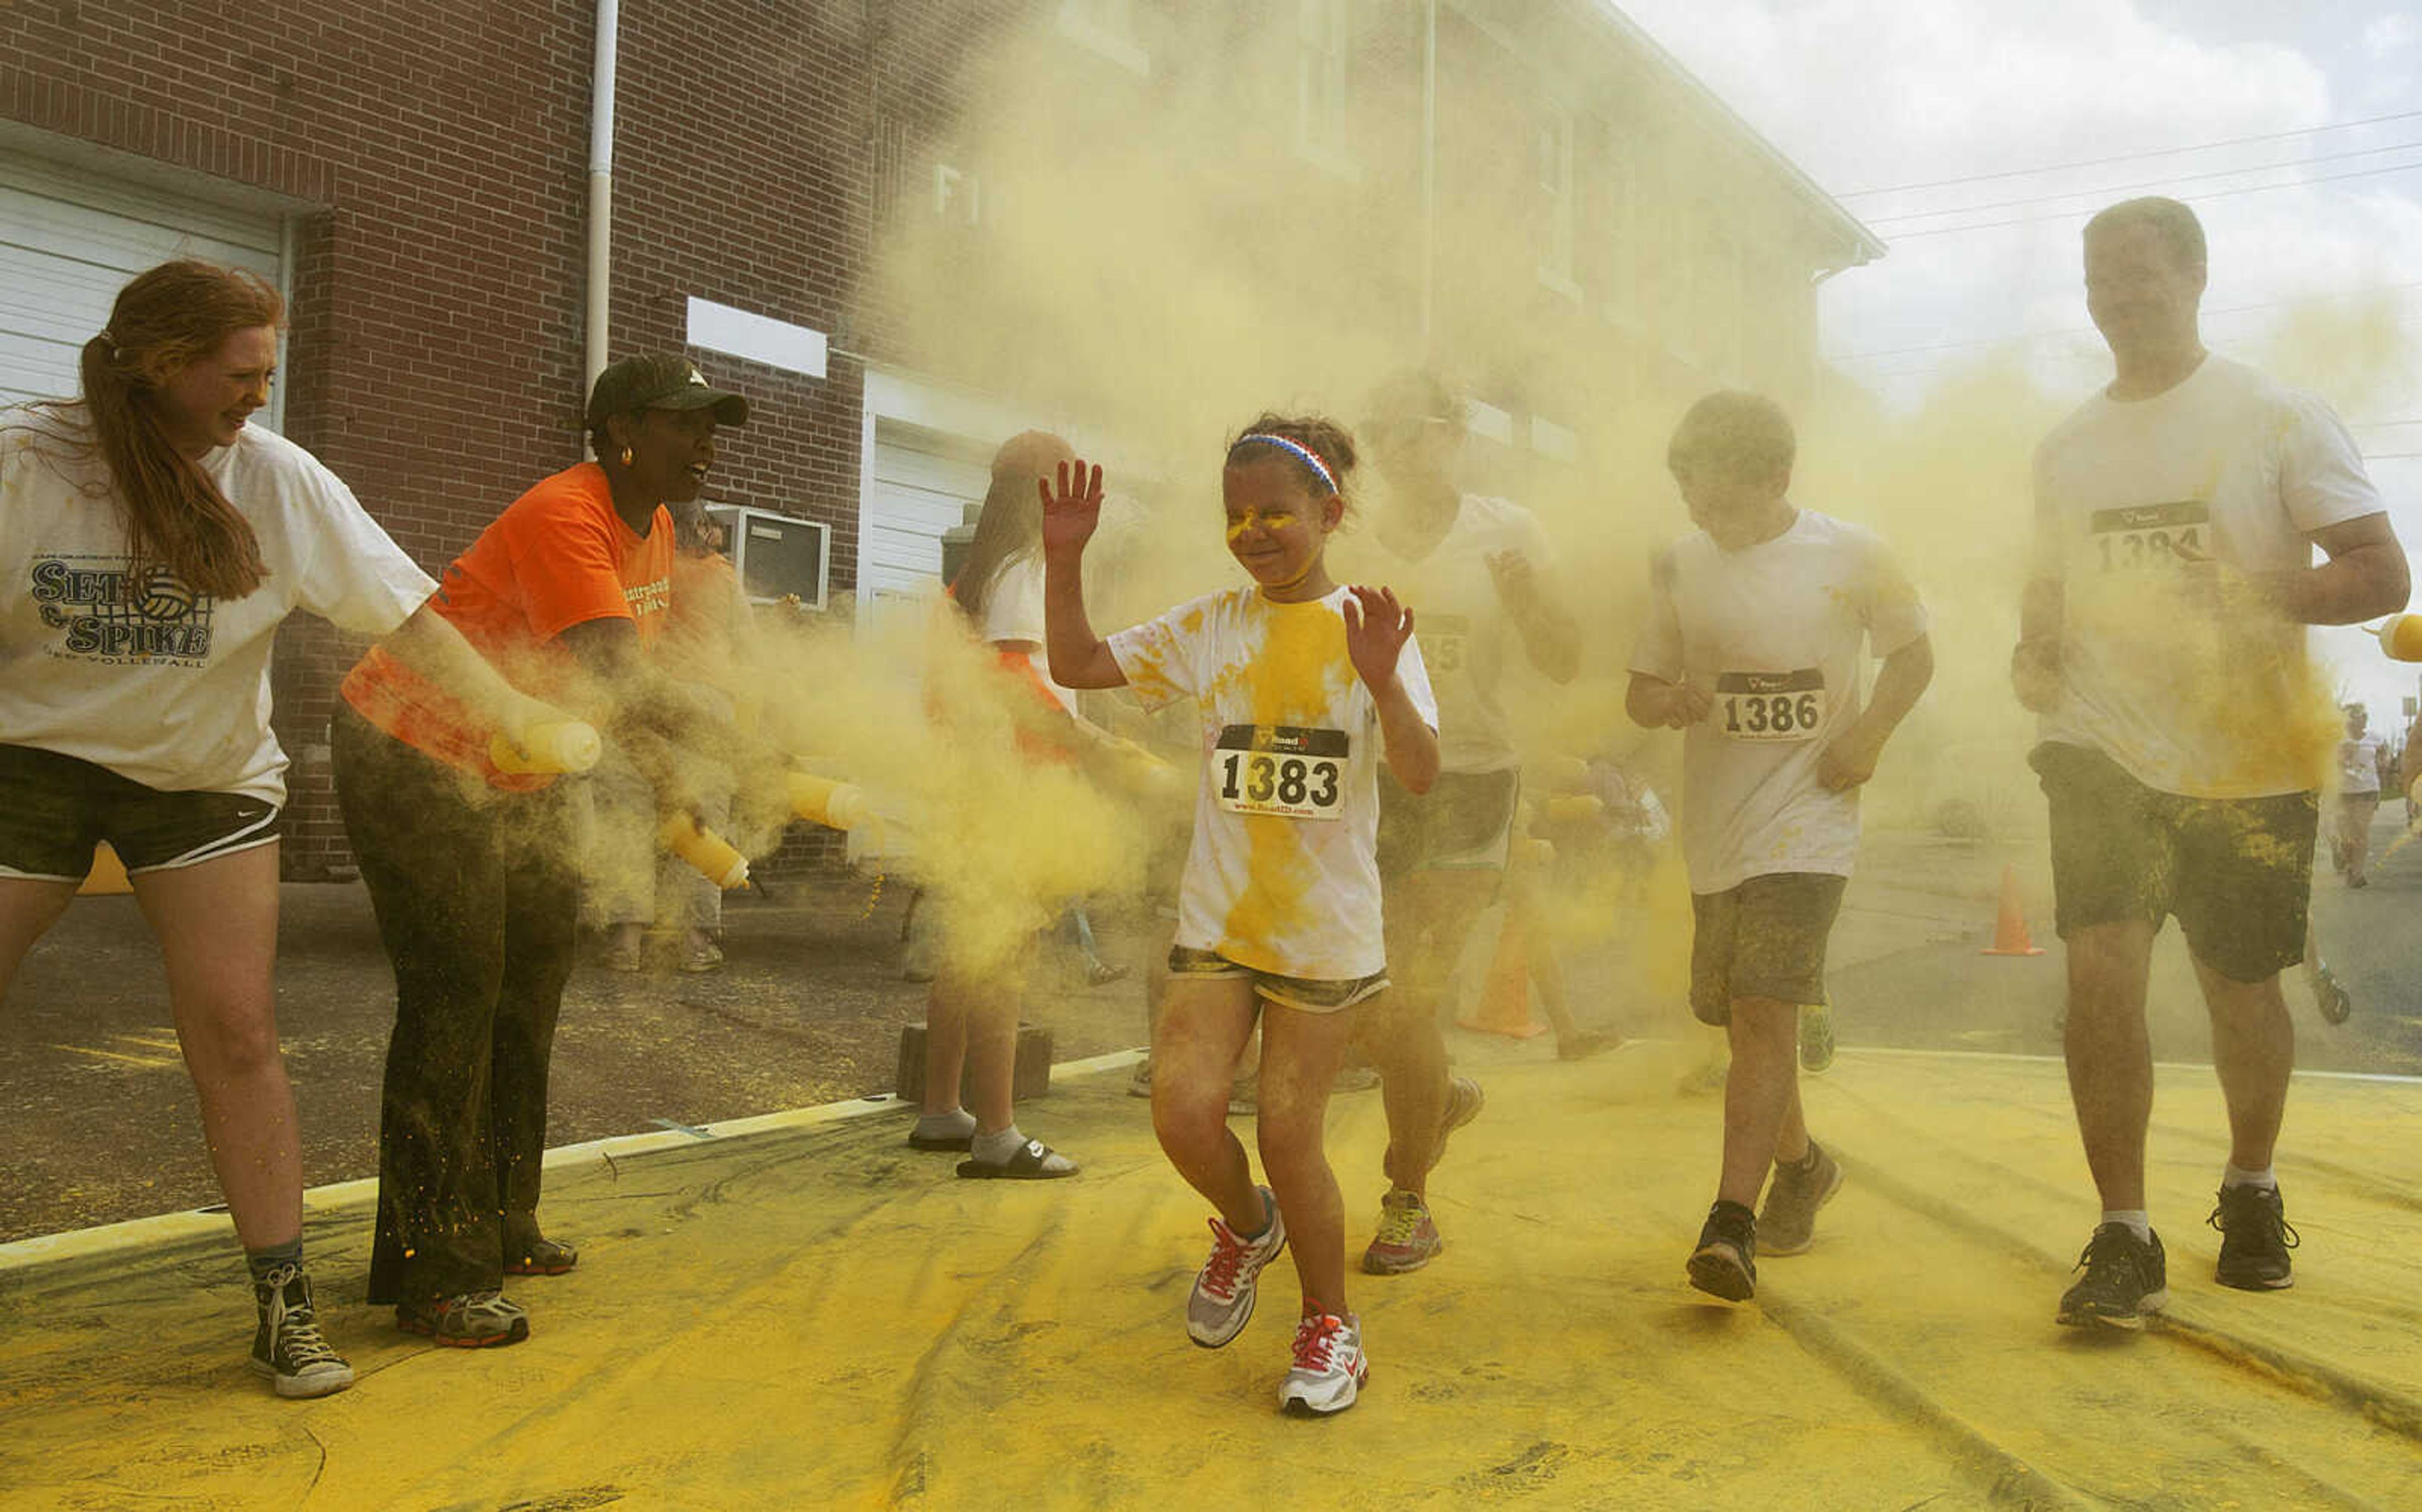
x: 2010, y: 936
x: 1504, y: 1007
x: 108, y: 874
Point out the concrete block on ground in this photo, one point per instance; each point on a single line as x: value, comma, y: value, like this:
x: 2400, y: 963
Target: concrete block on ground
x: 1032, y: 1078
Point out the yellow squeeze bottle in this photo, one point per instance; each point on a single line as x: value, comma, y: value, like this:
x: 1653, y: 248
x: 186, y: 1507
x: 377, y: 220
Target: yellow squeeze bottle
x: 711, y: 853
x: 836, y: 805
x: 2400, y: 637
x: 1573, y: 808
x: 1143, y: 773
x: 558, y: 745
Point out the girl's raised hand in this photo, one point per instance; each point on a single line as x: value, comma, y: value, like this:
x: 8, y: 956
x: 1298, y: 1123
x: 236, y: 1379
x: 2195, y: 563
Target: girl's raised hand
x: 1073, y: 508
x: 1376, y: 629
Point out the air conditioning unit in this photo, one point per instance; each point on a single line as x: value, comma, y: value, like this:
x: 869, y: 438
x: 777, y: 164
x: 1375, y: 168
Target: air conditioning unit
x: 777, y: 555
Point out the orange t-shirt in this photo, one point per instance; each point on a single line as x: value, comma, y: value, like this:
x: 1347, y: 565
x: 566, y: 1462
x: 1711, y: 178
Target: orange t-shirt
x: 558, y: 557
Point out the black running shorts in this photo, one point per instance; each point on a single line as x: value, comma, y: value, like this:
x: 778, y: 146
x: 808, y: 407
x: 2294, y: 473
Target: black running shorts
x: 1465, y: 822
x: 59, y: 808
x: 2237, y: 873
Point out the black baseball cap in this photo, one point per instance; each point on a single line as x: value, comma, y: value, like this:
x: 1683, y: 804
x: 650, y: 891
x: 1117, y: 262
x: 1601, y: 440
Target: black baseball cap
x: 660, y: 381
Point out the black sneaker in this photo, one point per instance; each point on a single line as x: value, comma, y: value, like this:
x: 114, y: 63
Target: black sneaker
x: 2255, y: 1239
x: 286, y: 1348
x: 2125, y: 1277
x: 1787, y: 1223
x: 1725, y: 1263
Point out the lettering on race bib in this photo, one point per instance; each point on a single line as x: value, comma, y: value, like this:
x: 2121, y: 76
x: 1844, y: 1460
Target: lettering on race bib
x: 1770, y: 706
x: 2148, y: 537
x: 1445, y: 641
x: 1281, y: 772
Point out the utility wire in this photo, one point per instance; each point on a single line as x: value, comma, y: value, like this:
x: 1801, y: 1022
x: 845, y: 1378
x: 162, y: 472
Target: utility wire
x: 2127, y: 157
x: 2212, y: 194
x: 2148, y: 184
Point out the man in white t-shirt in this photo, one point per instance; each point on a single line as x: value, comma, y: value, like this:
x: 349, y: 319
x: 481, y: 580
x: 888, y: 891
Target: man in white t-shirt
x: 2183, y: 729
x: 1752, y: 646
x: 1476, y: 569
x: 2363, y: 765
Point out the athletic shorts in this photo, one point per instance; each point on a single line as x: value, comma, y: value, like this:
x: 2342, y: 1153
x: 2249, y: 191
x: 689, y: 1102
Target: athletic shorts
x: 2355, y: 814
x: 1764, y: 938
x: 1465, y: 822
x: 58, y: 808
x: 1304, y: 992
x: 2237, y: 873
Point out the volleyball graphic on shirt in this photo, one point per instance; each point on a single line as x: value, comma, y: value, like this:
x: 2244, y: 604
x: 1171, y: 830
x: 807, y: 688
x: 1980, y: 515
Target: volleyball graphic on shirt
x: 164, y: 595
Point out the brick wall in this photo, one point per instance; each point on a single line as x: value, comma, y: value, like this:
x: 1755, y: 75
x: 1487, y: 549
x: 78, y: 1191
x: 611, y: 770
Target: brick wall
x: 435, y: 356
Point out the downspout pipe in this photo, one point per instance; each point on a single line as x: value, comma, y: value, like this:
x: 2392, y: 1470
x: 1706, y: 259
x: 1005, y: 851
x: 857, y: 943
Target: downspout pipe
x: 598, y: 327
x: 1429, y: 168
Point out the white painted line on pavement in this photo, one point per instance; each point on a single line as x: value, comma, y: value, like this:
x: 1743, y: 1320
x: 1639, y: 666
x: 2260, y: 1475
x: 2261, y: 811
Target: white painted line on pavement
x: 2394, y: 1078
x: 340, y: 1196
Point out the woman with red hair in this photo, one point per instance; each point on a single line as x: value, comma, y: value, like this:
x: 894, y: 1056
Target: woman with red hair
x: 154, y: 540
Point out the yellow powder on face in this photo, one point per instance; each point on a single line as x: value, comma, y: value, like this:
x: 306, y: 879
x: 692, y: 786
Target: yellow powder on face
x: 1301, y: 668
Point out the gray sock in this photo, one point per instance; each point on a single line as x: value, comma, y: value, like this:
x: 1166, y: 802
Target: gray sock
x: 996, y: 1149
x: 957, y: 1124
x: 261, y: 1262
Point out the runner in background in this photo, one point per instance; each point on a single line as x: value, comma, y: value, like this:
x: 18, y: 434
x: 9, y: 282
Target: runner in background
x: 631, y: 882
x: 472, y: 868
x: 1753, y: 647
x: 2162, y: 648
x: 1476, y: 569
x: 2363, y: 765
x: 155, y: 541
x: 972, y: 1014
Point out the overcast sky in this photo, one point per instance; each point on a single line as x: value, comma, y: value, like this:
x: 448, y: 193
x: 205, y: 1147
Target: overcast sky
x: 1873, y: 94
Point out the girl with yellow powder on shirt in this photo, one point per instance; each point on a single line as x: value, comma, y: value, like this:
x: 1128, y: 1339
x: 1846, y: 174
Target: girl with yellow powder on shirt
x: 1303, y: 687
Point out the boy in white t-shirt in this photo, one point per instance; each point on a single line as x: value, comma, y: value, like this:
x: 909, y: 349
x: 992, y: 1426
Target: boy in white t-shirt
x: 1753, y: 646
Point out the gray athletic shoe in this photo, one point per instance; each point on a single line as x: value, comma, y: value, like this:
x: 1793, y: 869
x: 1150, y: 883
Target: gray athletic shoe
x: 1328, y: 1370
x: 1787, y: 1223
x: 1223, y: 1299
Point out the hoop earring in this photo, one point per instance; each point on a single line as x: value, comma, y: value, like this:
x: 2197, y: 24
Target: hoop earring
x: 626, y: 456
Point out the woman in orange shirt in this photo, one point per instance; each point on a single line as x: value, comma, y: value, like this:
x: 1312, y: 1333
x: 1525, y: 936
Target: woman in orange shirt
x: 471, y: 867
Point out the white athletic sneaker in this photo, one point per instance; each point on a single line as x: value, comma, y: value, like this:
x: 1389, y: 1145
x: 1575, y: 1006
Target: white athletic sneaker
x: 1223, y: 1299
x: 1329, y: 1368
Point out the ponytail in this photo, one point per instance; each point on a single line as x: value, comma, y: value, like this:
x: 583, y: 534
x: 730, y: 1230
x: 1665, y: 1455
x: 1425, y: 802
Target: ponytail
x: 169, y: 318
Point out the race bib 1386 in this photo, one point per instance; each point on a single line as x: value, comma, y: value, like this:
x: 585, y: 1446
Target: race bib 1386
x: 1770, y: 706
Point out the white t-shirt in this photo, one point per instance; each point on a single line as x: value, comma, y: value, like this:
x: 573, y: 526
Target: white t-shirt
x: 1284, y: 874
x: 151, y: 679
x: 1013, y: 610
x: 1773, y: 632
x: 2230, y: 465
x: 1467, y: 635
x: 2359, y: 764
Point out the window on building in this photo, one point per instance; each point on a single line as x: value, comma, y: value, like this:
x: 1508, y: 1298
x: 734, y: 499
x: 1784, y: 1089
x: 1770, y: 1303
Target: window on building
x: 1715, y: 304
x: 1321, y: 52
x: 1618, y: 254
x: 1554, y: 157
x: 1108, y: 27
x: 958, y: 195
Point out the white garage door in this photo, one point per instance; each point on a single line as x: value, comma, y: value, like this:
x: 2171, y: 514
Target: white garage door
x: 921, y: 485
x: 70, y: 237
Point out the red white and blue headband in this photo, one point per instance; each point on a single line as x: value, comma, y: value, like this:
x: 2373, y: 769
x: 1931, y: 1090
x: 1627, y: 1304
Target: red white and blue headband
x: 1297, y: 449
